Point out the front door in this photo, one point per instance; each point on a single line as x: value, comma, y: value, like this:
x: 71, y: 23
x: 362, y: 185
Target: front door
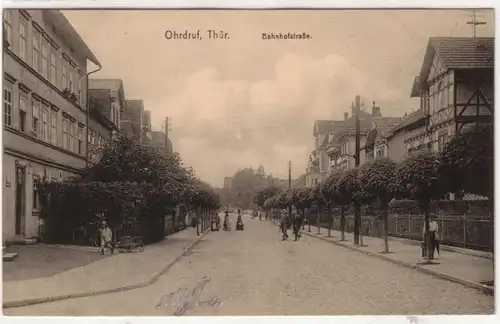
x: 20, y: 199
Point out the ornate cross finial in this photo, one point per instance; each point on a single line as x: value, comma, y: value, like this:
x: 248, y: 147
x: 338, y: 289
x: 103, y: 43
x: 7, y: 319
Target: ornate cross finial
x: 475, y: 23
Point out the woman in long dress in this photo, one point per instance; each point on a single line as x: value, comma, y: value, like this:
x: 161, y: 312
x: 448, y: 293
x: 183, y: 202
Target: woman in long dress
x: 226, y: 222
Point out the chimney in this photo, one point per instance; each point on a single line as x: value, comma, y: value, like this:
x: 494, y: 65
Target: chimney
x: 376, y: 111
x: 346, y: 116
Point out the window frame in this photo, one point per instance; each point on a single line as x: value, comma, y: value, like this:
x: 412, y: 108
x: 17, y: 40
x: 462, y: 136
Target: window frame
x: 53, y: 66
x: 7, y: 19
x: 36, y: 39
x: 23, y: 113
x: 45, y: 123
x: 23, y: 39
x: 45, y: 57
x: 80, y: 148
x: 8, y: 115
x: 36, y: 106
x: 65, y: 133
x: 53, y: 127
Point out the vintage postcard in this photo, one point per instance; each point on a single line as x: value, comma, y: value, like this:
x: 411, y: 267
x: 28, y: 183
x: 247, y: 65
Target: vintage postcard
x: 248, y: 162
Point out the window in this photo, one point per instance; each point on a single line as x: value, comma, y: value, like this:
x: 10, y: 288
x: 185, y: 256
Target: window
x: 23, y: 38
x: 80, y: 140
x: 45, y: 124
x: 441, y: 96
x: 23, y: 111
x: 53, y: 68
x: 70, y: 80
x: 80, y: 96
x: 36, y: 196
x: 65, y: 75
x: 45, y: 59
x: 53, y: 127
x: 36, y: 50
x: 65, y: 134
x: 36, y: 118
x: 7, y: 19
x: 72, y: 136
x: 7, y: 106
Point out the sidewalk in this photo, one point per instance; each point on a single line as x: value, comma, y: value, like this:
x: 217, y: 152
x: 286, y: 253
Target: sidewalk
x: 119, y: 272
x: 465, y: 269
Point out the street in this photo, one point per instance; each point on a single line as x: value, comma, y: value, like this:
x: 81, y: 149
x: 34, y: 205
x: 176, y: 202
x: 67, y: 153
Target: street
x: 254, y: 273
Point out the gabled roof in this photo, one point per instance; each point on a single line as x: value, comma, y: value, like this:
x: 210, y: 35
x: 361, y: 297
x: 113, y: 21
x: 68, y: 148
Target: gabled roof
x: 385, y: 125
x: 324, y: 126
x: 66, y: 31
x: 412, y: 118
x: 457, y: 53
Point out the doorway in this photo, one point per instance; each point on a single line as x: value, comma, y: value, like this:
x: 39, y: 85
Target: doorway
x: 20, y: 199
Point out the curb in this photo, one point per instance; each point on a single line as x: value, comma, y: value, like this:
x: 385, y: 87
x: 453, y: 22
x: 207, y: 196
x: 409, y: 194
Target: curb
x: 482, y: 288
x: 153, y: 279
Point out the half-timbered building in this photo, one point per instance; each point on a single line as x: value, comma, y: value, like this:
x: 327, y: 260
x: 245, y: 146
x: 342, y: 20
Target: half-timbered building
x: 455, y: 86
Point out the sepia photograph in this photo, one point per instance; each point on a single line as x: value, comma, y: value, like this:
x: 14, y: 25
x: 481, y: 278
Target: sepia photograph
x: 248, y: 162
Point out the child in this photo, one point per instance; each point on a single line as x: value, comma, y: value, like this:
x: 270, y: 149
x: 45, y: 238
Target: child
x: 106, y: 237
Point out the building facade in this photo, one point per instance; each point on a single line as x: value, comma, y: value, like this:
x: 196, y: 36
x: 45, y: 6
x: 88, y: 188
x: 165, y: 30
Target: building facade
x: 44, y: 111
x: 455, y: 87
x: 109, y: 96
x: 341, y: 147
x: 318, y: 166
x: 133, y: 122
x: 377, y: 139
x: 403, y: 139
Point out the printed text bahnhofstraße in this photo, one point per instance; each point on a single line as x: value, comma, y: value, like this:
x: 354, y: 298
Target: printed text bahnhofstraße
x: 286, y: 36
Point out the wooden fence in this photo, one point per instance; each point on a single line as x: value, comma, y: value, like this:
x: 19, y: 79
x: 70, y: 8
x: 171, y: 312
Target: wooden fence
x: 459, y: 231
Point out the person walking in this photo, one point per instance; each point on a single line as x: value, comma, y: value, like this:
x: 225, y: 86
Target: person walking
x: 297, y: 224
x: 284, y: 224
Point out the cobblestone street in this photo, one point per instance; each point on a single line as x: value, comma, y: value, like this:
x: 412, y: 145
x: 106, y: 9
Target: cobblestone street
x: 254, y: 273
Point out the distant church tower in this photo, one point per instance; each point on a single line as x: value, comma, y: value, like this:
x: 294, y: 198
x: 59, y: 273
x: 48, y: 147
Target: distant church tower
x: 260, y: 171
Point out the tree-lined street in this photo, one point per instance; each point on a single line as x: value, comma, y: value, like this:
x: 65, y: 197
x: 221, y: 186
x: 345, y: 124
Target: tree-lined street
x: 254, y: 273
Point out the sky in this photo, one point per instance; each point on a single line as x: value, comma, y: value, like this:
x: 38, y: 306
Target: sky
x: 244, y: 101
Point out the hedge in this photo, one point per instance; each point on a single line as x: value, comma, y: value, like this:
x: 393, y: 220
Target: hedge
x: 448, y: 207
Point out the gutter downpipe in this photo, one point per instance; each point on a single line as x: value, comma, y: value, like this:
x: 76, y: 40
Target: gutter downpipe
x: 88, y: 113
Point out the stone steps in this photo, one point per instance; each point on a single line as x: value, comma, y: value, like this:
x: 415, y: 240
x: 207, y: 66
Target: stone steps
x: 9, y: 257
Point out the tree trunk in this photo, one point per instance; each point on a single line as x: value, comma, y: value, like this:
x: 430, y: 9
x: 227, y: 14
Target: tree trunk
x: 342, y: 222
x: 357, y: 222
x: 330, y: 220
x: 309, y: 219
x: 385, y: 215
x: 317, y: 218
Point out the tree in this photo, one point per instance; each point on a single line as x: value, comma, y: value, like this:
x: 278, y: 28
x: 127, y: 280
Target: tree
x: 331, y: 196
x: 418, y: 175
x: 261, y: 196
x: 380, y: 177
x: 317, y: 196
x: 243, y: 187
x: 345, y: 196
x: 467, y: 163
